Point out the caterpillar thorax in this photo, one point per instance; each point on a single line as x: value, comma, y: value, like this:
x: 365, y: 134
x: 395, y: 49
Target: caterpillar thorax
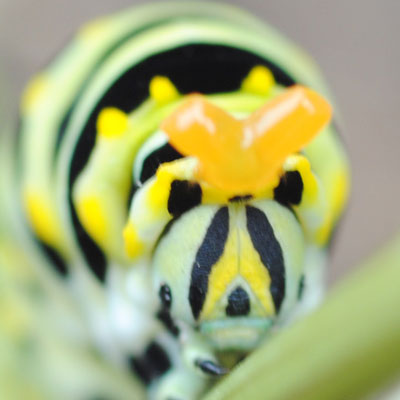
x: 173, y: 140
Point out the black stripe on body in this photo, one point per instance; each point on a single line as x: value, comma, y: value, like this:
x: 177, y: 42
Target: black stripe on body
x: 208, y: 254
x: 93, y: 255
x: 152, y: 364
x: 55, y: 258
x: 163, y: 154
x: 270, y: 251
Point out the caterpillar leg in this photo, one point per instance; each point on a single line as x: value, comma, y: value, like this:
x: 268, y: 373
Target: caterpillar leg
x: 199, y: 356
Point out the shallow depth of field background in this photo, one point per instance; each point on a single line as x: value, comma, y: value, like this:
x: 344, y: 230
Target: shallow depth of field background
x: 356, y: 44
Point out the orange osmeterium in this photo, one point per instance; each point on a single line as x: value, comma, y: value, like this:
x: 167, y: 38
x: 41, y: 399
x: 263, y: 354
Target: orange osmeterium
x: 245, y: 156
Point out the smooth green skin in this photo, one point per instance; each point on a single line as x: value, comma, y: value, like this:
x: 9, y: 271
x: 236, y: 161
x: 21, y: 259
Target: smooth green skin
x: 348, y: 348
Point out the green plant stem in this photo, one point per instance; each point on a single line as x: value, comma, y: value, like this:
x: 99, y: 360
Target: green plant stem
x: 345, y: 350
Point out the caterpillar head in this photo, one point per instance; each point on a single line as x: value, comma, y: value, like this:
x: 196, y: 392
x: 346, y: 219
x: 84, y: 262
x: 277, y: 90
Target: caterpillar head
x: 235, y: 270
x: 231, y: 271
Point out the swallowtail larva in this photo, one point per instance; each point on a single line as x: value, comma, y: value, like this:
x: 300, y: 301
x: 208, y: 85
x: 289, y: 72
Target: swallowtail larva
x: 180, y: 175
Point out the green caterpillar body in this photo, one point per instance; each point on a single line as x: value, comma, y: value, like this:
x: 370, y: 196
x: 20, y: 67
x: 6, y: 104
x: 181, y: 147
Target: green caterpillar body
x: 172, y: 279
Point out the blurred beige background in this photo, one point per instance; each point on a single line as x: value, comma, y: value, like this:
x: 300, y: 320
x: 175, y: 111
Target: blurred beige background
x: 356, y: 43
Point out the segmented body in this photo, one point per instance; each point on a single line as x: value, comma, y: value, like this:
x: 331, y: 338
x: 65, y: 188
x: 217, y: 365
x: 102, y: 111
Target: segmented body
x: 90, y: 141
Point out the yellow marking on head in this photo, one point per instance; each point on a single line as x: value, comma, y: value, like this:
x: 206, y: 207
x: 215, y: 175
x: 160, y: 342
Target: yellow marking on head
x: 112, y: 122
x: 158, y: 194
x: 255, y: 273
x: 93, y: 217
x: 162, y: 90
x: 134, y: 247
x: 43, y: 218
x: 239, y: 259
x: 260, y: 80
x: 222, y: 274
x: 33, y: 92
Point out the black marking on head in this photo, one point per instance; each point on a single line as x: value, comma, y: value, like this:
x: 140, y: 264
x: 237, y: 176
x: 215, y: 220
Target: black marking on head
x: 290, y: 189
x: 165, y: 296
x: 152, y: 364
x: 270, y: 251
x: 301, y: 288
x: 183, y: 196
x: 55, y: 258
x: 238, y: 303
x: 165, y: 317
x: 157, y: 157
x: 208, y: 254
x: 240, y: 199
x: 93, y: 255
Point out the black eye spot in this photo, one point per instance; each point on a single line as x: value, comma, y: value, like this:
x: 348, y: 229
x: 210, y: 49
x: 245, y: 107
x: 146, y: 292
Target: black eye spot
x: 183, y: 196
x: 165, y: 296
x: 290, y: 189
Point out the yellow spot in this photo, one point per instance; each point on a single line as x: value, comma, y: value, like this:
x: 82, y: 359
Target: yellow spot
x: 260, y: 80
x: 162, y: 90
x: 33, y: 92
x: 340, y: 192
x: 43, y: 219
x: 112, y: 122
x: 91, y: 214
x: 133, y: 245
x: 159, y: 192
x: 93, y: 29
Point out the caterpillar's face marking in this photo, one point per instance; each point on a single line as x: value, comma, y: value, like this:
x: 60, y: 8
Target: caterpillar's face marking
x: 232, y: 270
x: 183, y: 196
x: 290, y: 189
x: 238, y: 303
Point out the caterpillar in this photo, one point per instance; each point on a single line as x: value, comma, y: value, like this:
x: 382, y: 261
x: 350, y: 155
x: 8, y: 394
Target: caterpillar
x: 178, y: 176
